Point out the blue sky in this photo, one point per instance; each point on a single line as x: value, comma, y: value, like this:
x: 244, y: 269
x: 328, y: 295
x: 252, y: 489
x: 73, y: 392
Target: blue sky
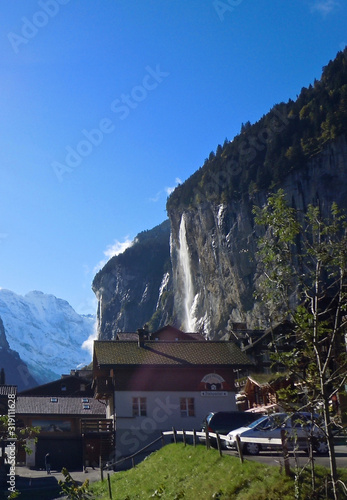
x: 106, y: 105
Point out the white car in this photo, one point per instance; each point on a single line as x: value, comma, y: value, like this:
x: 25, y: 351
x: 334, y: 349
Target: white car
x: 266, y: 433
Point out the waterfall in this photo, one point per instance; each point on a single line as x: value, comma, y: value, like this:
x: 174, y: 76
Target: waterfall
x: 186, y: 280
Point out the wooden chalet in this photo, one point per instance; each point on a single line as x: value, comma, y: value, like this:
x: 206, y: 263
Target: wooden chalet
x: 74, y: 427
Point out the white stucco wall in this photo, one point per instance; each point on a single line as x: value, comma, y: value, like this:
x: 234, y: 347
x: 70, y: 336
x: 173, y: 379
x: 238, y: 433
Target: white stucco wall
x: 163, y: 413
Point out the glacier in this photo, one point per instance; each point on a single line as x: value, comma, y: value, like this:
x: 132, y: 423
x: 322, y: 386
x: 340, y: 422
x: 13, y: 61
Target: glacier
x: 46, y: 332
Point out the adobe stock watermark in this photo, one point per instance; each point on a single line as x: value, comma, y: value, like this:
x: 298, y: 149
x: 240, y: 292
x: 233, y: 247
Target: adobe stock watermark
x: 222, y: 7
x: 11, y: 448
x: 122, y: 107
x: 136, y: 437
x: 40, y: 19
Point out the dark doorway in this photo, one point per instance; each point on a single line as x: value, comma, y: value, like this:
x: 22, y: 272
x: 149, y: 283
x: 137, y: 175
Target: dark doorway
x: 64, y: 453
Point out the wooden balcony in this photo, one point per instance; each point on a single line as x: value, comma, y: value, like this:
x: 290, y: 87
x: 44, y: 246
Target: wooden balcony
x: 98, y: 439
x: 96, y: 426
x: 103, y: 387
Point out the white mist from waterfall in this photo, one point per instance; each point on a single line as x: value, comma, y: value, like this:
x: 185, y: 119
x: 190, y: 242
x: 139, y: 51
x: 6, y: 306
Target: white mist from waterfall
x: 187, y: 282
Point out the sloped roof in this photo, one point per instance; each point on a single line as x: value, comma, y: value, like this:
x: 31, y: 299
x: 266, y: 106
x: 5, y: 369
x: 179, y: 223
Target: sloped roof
x: 169, y: 332
x: 112, y: 353
x: 269, y: 332
x: 166, y: 333
x: 42, y: 405
x: 260, y: 379
x: 124, y: 336
x: 169, y: 328
x: 72, y: 384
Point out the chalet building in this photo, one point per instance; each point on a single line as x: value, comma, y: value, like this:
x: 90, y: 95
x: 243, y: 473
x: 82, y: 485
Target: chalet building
x: 67, y: 426
x: 259, y: 344
x: 74, y: 428
x: 259, y: 392
x: 77, y: 383
x: 154, y: 385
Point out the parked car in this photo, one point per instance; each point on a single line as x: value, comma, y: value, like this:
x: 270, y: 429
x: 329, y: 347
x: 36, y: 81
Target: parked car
x: 225, y: 421
x: 299, y: 429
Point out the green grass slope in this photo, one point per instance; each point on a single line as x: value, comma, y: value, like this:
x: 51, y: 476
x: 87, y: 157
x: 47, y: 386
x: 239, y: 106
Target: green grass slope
x: 178, y: 472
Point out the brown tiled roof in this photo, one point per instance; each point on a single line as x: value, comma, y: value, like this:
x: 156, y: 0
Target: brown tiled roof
x: 126, y: 336
x: 196, y: 336
x: 110, y: 353
x: 166, y: 333
x: 169, y: 332
x: 42, y: 405
x: 168, y: 328
x: 69, y: 385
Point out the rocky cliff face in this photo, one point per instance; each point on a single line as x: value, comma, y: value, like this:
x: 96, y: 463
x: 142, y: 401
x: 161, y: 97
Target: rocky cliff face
x: 134, y: 285
x: 216, y: 245
x: 207, y: 280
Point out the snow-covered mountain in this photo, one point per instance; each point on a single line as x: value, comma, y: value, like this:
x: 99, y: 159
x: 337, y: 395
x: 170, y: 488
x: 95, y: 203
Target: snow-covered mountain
x: 46, y: 332
x: 16, y: 371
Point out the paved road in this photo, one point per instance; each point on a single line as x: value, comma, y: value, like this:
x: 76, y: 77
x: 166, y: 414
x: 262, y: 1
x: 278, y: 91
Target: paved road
x: 34, y: 484
x: 275, y: 458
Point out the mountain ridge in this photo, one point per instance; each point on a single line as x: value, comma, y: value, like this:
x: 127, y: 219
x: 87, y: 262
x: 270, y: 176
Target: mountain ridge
x: 210, y: 279
x: 40, y: 327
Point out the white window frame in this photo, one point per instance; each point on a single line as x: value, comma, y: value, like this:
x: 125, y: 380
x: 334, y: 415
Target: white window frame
x: 139, y: 407
x: 187, y: 407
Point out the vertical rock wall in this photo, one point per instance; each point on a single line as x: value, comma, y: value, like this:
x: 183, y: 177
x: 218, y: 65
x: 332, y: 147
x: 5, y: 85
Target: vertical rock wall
x: 148, y: 283
x: 131, y: 287
x: 222, y: 241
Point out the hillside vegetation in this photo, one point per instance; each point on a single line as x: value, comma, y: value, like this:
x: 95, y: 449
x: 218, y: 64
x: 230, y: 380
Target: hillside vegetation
x: 178, y: 472
x: 283, y: 140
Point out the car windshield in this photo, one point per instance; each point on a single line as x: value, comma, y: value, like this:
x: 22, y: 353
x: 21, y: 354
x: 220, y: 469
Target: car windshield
x: 207, y: 420
x: 257, y: 422
x: 304, y: 420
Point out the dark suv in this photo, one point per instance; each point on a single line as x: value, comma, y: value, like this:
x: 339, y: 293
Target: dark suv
x: 225, y: 421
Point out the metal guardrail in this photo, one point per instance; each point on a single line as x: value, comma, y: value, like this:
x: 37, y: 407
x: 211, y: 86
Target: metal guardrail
x: 223, y: 437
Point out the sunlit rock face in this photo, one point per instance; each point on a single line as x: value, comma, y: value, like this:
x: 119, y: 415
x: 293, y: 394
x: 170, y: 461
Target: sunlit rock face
x: 222, y: 243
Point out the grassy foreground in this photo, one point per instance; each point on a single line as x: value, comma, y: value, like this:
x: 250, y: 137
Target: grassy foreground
x: 178, y: 472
